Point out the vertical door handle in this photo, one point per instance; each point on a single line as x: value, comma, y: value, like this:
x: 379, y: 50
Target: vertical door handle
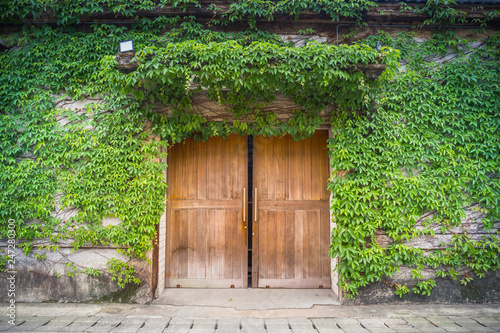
x: 244, y: 205
x: 255, y: 205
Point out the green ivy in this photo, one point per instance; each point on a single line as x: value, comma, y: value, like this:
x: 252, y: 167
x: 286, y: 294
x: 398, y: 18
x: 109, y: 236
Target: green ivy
x: 67, y: 13
x: 106, y: 160
x: 424, y: 140
x: 431, y: 144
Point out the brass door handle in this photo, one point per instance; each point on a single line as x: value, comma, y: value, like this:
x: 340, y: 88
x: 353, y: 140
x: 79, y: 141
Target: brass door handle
x: 244, y: 204
x: 255, y: 205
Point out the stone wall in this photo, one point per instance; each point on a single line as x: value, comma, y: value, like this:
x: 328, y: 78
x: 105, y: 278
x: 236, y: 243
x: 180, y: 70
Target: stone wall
x: 479, y: 290
x: 47, y: 280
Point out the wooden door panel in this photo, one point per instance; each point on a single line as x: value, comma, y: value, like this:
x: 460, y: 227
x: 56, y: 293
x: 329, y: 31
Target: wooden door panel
x: 291, y: 240
x: 206, y: 239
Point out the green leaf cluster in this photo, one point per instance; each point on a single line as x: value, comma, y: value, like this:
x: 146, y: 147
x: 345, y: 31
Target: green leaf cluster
x: 430, y: 145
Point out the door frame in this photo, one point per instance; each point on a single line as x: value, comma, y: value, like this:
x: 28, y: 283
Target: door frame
x: 159, y: 256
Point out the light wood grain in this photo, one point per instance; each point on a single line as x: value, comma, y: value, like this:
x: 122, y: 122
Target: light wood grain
x: 292, y: 230
x: 205, y: 238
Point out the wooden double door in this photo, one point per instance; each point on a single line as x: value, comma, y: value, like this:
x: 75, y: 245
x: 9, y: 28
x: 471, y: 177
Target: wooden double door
x: 211, y: 208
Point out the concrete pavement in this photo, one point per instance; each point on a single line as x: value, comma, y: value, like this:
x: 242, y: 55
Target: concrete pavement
x: 256, y: 311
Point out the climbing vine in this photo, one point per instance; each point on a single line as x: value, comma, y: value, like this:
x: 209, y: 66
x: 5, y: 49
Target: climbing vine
x: 105, y: 160
x: 424, y: 141
x: 431, y: 145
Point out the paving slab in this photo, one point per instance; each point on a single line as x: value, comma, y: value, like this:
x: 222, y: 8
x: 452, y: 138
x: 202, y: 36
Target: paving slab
x: 478, y: 328
x: 55, y: 324
x: 104, y: 325
x: 300, y: 321
x: 80, y: 324
x: 353, y: 328
x: 178, y: 328
x: 30, y: 325
x: 128, y: 318
x: 250, y: 325
x: 486, y: 319
x: 128, y: 326
x: 228, y: 325
x: 154, y: 325
x: 4, y: 325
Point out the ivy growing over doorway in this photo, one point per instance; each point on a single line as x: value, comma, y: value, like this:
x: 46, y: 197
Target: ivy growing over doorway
x: 425, y: 140
x: 105, y: 159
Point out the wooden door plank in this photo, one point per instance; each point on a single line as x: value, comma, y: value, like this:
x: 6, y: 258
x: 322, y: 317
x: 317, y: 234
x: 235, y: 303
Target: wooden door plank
x: 315, y: 244
x: 290, y: 244
x: 295, y: 283
x: 299, y: 244
x: 192, y: 170
x: 307, y: 169
x: 230, y: 234
x: 200, y: 264
x: 184, y: 175
x: 297, y: 167
x: 272, y: 245
x: 325, y: 245
x: 324, y: 171
x: 173, y: 161
x: 211, y: 243
x: 307, y: 239
x: 234, y: 183
x: 280, y: 244
x: 316, y: 186
x: 263, y: 243
x: 294, y: 205
x: 183, y: 243
x: 238, y: 247
x: 264, y: 181
x: 174, y: 262
x: 256, y: 248
x: 211, y: 171
x: 219, y: 242
x: 269, y: 187
x: 205, y: 204
x: 226, y: 167
x: 206, y: 283
x: 191, y: 246
x: 202, y: 170
x: 169, y: 213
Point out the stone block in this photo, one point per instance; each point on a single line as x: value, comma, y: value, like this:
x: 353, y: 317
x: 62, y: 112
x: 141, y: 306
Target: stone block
x: 352, y: 328
x: 178, y: 321
x: 104, y: 325
x: 347, y: 321
x: 29, y: 325
x: 330, y: 330
x: 179, y: 328
x: 55, y: 324
x: 154, y: 325
x: 129, y: 325
x: 478, y: 328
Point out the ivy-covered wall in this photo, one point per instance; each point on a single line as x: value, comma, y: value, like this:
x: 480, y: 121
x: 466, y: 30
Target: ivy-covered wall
x: 415, y: 152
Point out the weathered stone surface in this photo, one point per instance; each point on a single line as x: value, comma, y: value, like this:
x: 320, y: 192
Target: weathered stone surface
x: 213, y: 111
x: 37, y: 281
x: 300, y: 40
x: 126, y: 64
x: 479, y: 290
